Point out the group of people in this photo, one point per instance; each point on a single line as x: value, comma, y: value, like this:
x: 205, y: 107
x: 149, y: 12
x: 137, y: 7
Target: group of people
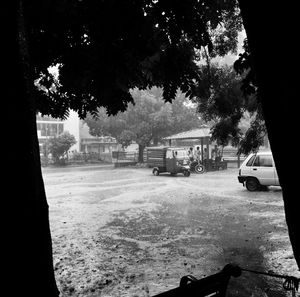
x: 195, y: 155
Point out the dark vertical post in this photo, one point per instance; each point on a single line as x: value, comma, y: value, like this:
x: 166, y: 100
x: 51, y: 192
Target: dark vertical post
x: 238, y: 156
x: 207, y: 148
x: 207, y: 162
x: 201, y: 149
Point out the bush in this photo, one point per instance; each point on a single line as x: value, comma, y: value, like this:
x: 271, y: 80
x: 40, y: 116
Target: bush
x: 59, y: 145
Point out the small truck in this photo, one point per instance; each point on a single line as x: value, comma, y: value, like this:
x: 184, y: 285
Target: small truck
x: 168, y: 159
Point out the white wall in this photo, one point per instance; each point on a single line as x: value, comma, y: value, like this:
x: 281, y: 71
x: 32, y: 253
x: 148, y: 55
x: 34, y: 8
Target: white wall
x: 72, y: 126
x: 132, y: 147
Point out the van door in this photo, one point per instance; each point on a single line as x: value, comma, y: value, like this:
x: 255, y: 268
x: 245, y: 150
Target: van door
x: 171, y: 161
x: 264, y: 169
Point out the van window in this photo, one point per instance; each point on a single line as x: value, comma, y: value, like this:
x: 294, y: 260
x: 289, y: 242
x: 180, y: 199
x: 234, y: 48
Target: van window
x: 169, y: 154
x: 182, y: 154
x: 263, y: 161
x: 249, y: 163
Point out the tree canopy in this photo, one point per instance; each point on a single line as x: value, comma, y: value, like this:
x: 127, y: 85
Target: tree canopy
x: 148, y: 120
x: 227, y: 99
x: 105, y: 48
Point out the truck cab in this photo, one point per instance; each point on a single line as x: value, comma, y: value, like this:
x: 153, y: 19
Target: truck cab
x: 168, y: 159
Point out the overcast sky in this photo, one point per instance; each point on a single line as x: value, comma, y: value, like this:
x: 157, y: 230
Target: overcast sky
x: 230, y: 59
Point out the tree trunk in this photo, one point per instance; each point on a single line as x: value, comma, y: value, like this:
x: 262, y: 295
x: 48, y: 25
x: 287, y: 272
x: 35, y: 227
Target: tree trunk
x: 272, y: 32
x: 29, y: 271
x: 141, y: 153
x: 155, y: 141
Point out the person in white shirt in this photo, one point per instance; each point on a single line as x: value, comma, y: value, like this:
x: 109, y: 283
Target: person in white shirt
x: 197, y: 154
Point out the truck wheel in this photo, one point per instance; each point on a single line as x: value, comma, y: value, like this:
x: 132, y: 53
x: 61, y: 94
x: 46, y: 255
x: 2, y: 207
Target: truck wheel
x: 252, y: 184
x: 186, y: 173
x: 155, y: 172
x: 199, y: 168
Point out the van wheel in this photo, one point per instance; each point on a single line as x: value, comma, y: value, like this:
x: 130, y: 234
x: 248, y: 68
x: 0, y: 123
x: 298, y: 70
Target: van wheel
x: 186, y: 173
x: 199, y: 168
x: 155, y: 172
x: 252, y: 184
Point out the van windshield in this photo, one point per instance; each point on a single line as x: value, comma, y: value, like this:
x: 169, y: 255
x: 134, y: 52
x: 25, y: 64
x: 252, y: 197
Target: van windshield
x: 181, y: 154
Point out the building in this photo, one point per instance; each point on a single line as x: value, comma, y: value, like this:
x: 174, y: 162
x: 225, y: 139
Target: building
x: 102, y: 145
x: 48, y: 127
x: 196, y: 137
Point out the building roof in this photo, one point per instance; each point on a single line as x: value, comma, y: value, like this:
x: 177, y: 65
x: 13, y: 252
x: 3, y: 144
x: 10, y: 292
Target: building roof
x: 202, y: 132
x: 164, y: 147
x: 87, y: 138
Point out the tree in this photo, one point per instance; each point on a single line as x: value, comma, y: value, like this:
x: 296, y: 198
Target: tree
x: 146, y: 121
x: 224, y: 99
x: 86, y: 35
x: 278, y: 91
x: 103, y: 49
x: 59, y: 145
x: 184, y: 115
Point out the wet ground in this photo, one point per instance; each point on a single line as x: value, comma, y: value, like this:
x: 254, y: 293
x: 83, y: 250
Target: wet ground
x: 125, y: 232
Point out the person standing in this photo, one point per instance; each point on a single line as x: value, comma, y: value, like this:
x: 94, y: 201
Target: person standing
x: 197, y: 154
x: 205, y: 154
x: 191, y: 154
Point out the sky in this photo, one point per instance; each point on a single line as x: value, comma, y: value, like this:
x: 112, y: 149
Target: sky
x: 231, y: 58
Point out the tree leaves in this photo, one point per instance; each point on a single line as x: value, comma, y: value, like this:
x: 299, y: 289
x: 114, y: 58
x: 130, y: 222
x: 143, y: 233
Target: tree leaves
x: 223, y: 100
x: 105, y: 48
x: 148, y: 120
x: 58, y: 146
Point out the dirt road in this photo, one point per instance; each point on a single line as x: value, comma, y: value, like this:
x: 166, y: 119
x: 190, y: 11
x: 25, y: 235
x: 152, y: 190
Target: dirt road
x: 125, y: 232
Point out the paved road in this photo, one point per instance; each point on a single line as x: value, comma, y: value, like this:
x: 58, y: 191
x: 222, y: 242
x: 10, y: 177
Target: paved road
x: 125, y: 232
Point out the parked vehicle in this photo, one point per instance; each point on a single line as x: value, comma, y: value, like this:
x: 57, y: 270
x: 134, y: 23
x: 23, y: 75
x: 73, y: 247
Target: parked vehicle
x: 196, y: 166
x: 258, y: 171
x: 168, y: 159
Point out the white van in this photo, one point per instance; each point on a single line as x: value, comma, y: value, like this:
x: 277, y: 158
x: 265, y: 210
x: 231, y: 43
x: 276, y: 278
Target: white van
x: 258, y: 171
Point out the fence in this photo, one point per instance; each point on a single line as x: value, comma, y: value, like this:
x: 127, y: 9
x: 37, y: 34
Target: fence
x: 77, y: 158
x: 231, y: 157
x: 120, y: 158
x: 123, y: 158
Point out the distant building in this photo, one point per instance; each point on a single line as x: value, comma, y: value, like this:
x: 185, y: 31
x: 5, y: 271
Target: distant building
x: 48, y: 127
x: 133, y: 147
x: 102, y: 145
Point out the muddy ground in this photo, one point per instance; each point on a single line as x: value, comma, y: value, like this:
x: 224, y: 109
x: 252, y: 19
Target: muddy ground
x: 125, y: 232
